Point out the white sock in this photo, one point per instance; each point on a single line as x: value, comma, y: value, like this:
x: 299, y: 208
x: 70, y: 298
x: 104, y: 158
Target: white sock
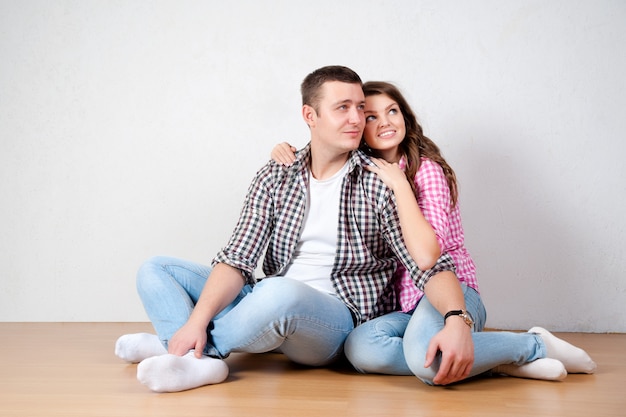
x: 172, y: 373
x: 138, y: 346
x: 576, y: 360
x: 546, y: 369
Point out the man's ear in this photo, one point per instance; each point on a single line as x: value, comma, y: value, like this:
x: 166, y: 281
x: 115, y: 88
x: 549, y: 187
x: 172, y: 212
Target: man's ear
x: 309, y: 115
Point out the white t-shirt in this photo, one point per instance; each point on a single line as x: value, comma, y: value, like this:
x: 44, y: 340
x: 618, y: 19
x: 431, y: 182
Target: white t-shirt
x: 315, y: 255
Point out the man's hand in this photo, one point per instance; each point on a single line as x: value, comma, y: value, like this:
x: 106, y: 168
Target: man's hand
x: 188, y: 337
x: 455, y: 343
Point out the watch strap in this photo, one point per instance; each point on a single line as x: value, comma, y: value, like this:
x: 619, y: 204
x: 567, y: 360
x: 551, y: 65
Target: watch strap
x: 452, y: 313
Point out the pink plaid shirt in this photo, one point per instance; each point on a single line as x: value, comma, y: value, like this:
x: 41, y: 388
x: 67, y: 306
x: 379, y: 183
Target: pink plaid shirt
x: 434, y: 200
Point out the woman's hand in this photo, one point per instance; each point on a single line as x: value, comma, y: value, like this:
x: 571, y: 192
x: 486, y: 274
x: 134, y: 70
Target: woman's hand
x: 284, y: 154
x: 455, y: 343
x: 389, y: 173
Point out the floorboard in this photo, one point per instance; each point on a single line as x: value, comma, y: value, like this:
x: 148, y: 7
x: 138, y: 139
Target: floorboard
x: 69, y: 369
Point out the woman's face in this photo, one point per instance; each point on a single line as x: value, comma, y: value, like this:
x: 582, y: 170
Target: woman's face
x: 384, y: 126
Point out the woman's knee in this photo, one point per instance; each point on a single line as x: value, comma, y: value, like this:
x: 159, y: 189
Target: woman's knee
x: 365, y: 359
x: 376, y: 346
x: 357, y: 348
x: 426, y: 375
x: 415, y: 349
x: 476, y: 308
x: 416, y: 362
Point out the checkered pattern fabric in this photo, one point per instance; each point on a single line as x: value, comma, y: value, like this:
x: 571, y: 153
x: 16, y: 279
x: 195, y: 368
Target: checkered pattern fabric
x: 369, y: 237
x: 434, y: 200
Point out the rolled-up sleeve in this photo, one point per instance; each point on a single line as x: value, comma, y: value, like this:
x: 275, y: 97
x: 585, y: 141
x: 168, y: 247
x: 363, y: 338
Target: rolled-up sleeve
x: 251, y: 233
x: 393, y: 235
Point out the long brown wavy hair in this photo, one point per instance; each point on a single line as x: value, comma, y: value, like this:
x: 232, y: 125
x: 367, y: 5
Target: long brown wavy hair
x: 414, y: 145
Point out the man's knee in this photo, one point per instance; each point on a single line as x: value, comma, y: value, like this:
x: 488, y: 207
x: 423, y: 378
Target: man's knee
x: 147, y: 276
x: 282, y: 293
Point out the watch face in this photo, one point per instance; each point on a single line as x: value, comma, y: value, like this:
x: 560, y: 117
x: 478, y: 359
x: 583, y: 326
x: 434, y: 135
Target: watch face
x: 468, y: 319
x: 463, y: 314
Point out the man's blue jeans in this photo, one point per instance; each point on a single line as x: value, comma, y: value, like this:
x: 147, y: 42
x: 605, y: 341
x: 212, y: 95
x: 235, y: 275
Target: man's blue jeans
x: 308, y: 326
x: 396, y: 343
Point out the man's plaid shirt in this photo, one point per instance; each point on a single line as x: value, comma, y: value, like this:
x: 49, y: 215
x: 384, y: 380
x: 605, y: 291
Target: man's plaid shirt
x: 369, y: 236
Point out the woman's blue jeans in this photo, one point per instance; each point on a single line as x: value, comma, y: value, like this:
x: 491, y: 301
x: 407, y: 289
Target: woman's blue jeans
x: 396, y: 343
x: 308, y: 326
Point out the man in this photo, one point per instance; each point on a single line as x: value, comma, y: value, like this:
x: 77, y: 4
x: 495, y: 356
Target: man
x: 333, y: 240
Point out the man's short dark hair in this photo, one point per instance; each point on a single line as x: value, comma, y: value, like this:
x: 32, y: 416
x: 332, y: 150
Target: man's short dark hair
x: 312, y: 84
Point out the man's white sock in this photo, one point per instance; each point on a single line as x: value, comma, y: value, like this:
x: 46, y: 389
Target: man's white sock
x: 172, y: 373
x: 576, y: 360
x: 136, y: 347
x: 546, y: 369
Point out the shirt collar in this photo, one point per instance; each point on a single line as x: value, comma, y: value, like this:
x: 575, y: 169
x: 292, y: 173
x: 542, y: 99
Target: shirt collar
x: 356, y: 160
x: 402, y: 163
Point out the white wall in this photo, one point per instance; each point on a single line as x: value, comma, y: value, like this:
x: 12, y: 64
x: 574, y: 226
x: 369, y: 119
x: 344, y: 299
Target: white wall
x: 132, y: 128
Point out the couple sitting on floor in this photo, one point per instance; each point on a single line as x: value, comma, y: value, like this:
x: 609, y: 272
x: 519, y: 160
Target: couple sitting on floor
x: 364, y: 255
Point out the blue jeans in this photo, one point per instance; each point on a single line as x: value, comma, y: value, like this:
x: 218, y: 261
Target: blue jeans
x: 396, y: 343
x: 308, y: 326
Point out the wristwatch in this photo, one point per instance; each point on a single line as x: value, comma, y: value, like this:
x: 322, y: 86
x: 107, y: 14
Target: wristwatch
x: 461, y: 313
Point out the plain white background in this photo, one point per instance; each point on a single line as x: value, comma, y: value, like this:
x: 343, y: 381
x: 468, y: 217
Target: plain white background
x: 132, y: 128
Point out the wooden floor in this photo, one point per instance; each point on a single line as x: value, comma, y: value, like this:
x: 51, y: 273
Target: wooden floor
x: 69, y: 369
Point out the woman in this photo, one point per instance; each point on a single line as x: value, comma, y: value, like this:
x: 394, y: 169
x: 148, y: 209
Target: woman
x: 429, y: 337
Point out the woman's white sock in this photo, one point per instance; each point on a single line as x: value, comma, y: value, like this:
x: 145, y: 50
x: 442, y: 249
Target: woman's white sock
x: 172, y: 373
x: 546, y: 369
x: 576, y: 360
x: 136, y: 347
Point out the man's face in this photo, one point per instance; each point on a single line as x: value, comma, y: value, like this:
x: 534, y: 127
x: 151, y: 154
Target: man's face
x: 338, y: 124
